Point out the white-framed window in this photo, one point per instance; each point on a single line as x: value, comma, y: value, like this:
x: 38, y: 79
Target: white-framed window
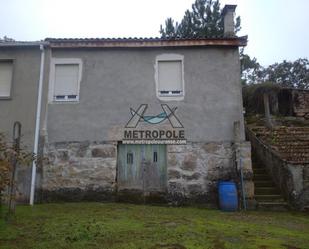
x: 65, y: 77
x: 169, y: 77
x: 6, y: 76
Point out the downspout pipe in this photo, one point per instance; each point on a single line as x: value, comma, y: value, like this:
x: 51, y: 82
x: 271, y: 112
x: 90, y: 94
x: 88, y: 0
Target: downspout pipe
x: 37, y: 125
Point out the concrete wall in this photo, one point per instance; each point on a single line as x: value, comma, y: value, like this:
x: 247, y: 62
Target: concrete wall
x: 113, y: 80
x: 22, y: 105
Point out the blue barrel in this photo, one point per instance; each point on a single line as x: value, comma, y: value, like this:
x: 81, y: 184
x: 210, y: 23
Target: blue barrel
x: 228, y: 199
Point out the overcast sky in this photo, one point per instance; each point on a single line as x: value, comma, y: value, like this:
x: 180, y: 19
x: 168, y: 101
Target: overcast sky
x: 277, y: 29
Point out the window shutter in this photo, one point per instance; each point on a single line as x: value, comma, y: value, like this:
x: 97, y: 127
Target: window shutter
x: 170, y: 76
x: 66, y: 79
x: 6, y: 72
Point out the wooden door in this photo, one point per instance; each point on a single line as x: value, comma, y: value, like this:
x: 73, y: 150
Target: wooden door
x: 142, y: 167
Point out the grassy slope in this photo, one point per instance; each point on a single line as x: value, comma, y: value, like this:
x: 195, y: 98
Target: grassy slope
x: 97, y: 225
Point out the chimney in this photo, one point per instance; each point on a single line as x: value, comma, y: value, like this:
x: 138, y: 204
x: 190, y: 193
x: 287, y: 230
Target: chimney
x: 228, y: 13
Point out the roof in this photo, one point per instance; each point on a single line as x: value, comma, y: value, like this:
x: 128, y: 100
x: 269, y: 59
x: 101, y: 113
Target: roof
x: 12, y: 43
x: 130, y: 42
x: 289, y: 143
x: 145, y: 42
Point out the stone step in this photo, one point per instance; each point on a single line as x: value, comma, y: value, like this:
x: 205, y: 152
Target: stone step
x: 257, y: 165
x: 292, y: 145
x: 265, y: 183
x: 269, y: 198
x: 261, y: 177
x: 266, y: 191
x: 260, y: 171
x: 267, y: 195
x: 273, y: 206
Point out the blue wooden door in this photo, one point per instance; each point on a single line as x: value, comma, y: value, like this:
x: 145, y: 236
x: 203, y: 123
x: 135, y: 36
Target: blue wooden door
x: 142, y: 167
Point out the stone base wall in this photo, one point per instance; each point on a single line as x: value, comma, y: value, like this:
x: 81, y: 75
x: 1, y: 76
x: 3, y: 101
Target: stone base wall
x: 87, y: 171
x: 194, y: 170
x: 79, y: 171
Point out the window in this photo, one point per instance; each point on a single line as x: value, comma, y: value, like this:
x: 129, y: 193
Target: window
x: 129, y: 158
x: 6, y: 74
x: 65, y: 79
x: 155, y: 157
x: 169, y: 77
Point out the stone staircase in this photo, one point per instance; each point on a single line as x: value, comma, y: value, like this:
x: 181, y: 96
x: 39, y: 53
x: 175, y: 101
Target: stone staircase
x: 267, y: 195
x: 286, y: 149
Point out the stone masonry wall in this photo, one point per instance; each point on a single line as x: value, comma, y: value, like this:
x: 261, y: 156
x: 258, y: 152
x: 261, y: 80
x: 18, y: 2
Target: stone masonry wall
x: 301, y: 103
x: 195, y: 169
x: 79, y: 171
x: 87, y: 171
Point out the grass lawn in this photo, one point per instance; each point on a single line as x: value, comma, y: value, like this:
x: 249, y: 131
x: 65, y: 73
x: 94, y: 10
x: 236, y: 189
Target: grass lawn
x: 114, y: 225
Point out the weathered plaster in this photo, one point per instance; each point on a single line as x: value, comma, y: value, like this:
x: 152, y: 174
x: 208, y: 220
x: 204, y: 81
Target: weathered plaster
x: 115, y: 80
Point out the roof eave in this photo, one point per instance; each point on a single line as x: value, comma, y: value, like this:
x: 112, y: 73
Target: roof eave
x: 23, y: 44
x: 234, y: 41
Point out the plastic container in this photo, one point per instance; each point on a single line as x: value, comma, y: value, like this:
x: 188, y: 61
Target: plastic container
x: 228, y: 199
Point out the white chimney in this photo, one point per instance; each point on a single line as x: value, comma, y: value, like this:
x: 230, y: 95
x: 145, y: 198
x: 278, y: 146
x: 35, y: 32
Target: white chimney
x: 228, y: 13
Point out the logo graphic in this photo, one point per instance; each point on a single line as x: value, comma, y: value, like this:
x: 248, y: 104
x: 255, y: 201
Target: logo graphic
x: 167, y: 114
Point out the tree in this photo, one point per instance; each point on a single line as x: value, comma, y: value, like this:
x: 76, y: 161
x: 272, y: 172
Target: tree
x: 250, y: 69
x: 170, y: 29
x: 294, y: 74
x: 257, y: 99
x: 10, y: 156
x: 204, y: 19
x: 289, y: 74
x: 5, y: 155
x: 6, y: 39
x: 4, y: 165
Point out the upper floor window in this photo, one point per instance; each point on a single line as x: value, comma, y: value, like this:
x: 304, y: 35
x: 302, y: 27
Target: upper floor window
x: 6, y: 75
x: 169, y: 77
x: 65, y: 79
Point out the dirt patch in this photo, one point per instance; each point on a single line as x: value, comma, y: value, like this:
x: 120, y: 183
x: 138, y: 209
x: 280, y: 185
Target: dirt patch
x: 175, y: 223
x: 290, y: 246
x: 263, y: 247
x: 168, y: 246
x: 218, y: 244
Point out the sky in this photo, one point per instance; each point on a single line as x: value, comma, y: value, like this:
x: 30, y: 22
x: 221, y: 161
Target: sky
x: 277, y: 29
